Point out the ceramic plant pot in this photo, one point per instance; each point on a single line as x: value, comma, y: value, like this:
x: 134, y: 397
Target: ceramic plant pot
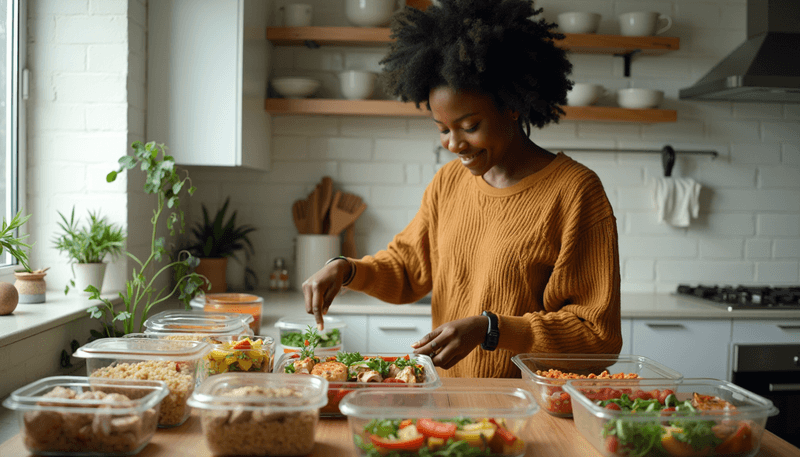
x: 31, y: 287
x: 89, y: 274
x: 214, y: 270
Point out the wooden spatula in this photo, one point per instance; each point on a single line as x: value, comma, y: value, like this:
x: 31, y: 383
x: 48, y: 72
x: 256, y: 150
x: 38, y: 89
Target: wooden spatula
x: 325, y: 198
x: 345, y: 209
x: 314, y: 222
x: 349, y: 242
x: 300, y: 216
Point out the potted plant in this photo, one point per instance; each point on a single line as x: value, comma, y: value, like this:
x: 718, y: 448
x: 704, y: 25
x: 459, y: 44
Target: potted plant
x: 15, y: 245
x: 216, y: 240
x: 140, y: 294
x: 87, y: 246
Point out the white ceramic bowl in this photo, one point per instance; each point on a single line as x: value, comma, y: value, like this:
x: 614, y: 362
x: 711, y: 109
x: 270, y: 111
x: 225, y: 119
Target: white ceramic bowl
x: 639, y: 98
x: 578, y: 22
x: 584, y: 94
x: 369, y: 13
x: 357, y: 85
x: 295, y: 87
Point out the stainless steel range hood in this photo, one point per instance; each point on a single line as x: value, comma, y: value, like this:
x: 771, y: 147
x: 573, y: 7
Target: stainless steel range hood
x: 766, y: 67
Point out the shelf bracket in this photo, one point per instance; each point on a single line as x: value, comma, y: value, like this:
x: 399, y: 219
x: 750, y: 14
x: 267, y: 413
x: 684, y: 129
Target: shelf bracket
x: 627, y: 57
x: 311, y: 44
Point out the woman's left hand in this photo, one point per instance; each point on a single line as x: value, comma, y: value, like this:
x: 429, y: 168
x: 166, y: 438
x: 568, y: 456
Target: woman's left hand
x: 451, y: 342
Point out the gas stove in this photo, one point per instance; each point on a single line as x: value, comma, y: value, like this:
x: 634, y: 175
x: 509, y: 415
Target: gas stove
x: 746, y: 297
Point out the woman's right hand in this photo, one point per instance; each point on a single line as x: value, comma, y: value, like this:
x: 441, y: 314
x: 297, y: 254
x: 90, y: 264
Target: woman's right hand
x: 320, y: 289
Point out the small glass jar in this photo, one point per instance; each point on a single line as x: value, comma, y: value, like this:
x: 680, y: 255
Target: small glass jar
x: 279, y: 278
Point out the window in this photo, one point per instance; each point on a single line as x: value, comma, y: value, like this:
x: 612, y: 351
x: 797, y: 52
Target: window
x: 12, y: 113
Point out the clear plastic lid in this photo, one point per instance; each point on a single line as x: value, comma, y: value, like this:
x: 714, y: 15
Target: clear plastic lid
x: 312, y: 390
x: 301, y: 323
x: 471, y: 402
x: 143, y: 349
x: 192, y: 321
x: 143, y: 395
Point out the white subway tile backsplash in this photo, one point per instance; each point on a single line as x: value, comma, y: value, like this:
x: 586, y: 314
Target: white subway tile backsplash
x: 778, y: 177
x: 291, y: 147
x: 757, y: 111
x: 777, y: 272
x: 646, y: 223
x: 698, y: 15
x: 396, y: 196
x: 658, y: 247
x: 61, y: 57
x: 385, y: 220
x: 756, y: 153
x: 102, y: 57
x: 90, y: 87
x: 756, y: 248
x: 305, y: 125
x: 686, y: 129
x: 635, y: 198
x: 606, y: 130
x: 309, y: 172
x: 91, y: 29
x: 390, y: 150
x: 639, y: 270
x: 786, y: 248
x: 118, y: 7
x: 791, y: 111
x: 790, y: 155
x: 57, y: 117
x: 721, y: 272
x: 730, y: 224
x: 372, y: 173
x: 787, y: 132
x: 755, y: 200
x: 734, y: 131
x: 107, y: 117
x: 719, y: 174
x: 379, y: 127
x: 413, y: 174
x: 345, y: 149
x: 721, y: 248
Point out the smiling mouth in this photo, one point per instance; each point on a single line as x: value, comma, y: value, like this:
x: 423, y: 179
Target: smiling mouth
x: 467, y: 158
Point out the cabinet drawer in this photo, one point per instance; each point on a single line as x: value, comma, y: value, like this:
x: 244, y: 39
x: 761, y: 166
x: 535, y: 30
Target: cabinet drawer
x: 766, y: 331
x: 396, y: 333
x: 627, y: 336
x: 354, y: 337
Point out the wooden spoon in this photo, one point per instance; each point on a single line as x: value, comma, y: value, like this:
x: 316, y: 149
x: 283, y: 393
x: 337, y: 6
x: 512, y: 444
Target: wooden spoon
x: 325, y: 198
x: 345, y: 209
x: 314, y: 222
x: 349, y: 242
x: 300, y: 216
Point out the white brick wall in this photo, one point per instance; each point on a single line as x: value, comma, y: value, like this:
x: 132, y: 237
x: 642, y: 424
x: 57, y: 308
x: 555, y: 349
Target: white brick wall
x: 749, y: 227
x: 82, y: 116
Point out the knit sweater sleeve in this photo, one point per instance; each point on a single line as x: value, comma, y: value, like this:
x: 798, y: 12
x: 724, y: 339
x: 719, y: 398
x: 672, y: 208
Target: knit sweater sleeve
x: 581, y: 299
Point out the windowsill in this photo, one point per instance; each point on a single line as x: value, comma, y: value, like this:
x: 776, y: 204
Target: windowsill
x: 58, y: 309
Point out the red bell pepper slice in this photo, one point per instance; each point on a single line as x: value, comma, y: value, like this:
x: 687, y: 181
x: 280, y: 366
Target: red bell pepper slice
x: 740, y: 442
x: 507, y: 436
x: 411, y: 444
x: 429, y: 427
x: 244, y: 344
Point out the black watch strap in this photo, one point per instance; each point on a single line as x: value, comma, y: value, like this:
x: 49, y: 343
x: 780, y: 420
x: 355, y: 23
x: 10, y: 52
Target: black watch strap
x: 492, y: 332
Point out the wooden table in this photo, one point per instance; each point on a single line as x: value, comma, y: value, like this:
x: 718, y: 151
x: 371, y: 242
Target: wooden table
x: 551, y: 436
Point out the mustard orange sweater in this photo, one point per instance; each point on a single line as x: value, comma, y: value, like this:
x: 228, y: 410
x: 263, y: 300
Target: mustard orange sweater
x: 541, y: 254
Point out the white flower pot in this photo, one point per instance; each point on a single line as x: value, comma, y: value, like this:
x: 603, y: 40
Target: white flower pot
x: 87, y: 274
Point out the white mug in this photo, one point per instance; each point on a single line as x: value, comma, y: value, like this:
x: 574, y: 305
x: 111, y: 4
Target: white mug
x: 644, y: 23
x: 296, y: 15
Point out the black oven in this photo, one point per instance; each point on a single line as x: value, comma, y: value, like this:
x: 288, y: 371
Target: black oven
x: 772, y: 371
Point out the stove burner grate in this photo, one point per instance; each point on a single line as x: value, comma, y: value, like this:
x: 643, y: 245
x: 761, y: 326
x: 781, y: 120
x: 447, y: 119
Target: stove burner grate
x: 746, y: 296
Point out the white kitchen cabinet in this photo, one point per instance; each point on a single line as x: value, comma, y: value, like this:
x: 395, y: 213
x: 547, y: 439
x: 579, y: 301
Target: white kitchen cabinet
x: 396, y: 333
x: 207, y: 67
x: 354, y: 337
x: 766, y: 331
x: 694, y: 348
x: 627, y: 335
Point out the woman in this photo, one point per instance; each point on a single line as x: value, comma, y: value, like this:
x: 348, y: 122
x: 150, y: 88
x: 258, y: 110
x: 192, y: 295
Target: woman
x: 518, y: 245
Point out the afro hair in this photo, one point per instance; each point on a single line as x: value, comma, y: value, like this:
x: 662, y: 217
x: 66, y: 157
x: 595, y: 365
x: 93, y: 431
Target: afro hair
x: 493, y: 46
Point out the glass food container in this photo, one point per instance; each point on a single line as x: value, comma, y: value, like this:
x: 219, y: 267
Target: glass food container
x: 555, y: 369
x: 452, y: 421
x: 199, y: 322
x: 253, y: 354
x: 246, y: 304
x: 338, y: 389
x: 292, y: 330
x: 75, y: 415
x: 260, y: 413
x: 708, y: 428
x: 174, y: 362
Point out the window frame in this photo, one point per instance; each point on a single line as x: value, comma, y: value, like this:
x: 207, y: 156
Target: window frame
x: 16, y: 140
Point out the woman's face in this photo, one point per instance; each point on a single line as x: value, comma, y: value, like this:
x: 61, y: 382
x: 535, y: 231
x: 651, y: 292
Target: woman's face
x: 471, y: 126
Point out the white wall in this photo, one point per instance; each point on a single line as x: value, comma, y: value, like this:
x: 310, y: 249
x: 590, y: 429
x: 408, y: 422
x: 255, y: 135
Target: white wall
x: 749, y: 227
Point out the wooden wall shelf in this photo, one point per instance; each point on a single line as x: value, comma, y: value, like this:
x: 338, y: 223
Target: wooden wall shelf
x: 379, y: 36
x: 391, y: 108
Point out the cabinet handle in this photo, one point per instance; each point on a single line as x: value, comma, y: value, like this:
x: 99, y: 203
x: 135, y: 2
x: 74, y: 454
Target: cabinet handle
x: 789, y: 327
x: 665, y: 326
x: 398, y: 329
x: 784, y: 387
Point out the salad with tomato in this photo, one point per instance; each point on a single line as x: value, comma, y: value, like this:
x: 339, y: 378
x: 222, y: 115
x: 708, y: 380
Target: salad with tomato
x: 452, y: 437
x: 695, y: 426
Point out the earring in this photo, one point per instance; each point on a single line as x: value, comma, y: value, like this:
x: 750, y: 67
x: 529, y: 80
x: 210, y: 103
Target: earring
x: 515, y: 117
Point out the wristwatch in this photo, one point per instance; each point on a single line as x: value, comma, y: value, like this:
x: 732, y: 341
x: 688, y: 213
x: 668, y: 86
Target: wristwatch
x: 492, y: 333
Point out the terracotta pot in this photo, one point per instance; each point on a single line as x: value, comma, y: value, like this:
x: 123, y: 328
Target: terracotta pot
x: 31, y: 287
x: 214, y: 270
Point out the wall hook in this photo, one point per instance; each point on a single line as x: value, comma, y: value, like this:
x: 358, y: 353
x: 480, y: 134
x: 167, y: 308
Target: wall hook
x: 667, y: 159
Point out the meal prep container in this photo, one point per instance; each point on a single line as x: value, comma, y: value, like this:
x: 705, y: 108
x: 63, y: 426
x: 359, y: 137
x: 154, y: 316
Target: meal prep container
x: 738, y: 432
x: 174, y: 362
x: 548, y: 392
x: 511, y: 408
x: 199, y: 322
x: 52, y: 423
x: 338, y: 389
x: 292, y: 330
x: 260, y: 413
x: 245, y: 304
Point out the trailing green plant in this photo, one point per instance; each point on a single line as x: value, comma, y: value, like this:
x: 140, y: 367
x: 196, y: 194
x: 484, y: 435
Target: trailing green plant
x: 218, y: 238
x: 15, y: 245
x: 166, y: 184
x: 90, y: 243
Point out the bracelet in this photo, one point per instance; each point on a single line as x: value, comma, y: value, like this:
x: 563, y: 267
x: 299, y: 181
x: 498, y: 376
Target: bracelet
x: 349, y: 279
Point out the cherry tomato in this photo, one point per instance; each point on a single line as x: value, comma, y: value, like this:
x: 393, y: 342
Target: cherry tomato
x: 429, y: 427
x: 613, y: 406
x: 741, y: 441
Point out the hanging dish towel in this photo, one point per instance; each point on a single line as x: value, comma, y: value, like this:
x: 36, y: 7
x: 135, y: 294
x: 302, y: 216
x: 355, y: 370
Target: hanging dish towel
x: 677, y: 200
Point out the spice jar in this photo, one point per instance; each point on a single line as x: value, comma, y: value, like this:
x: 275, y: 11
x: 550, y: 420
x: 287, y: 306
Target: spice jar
x: 279, y: 279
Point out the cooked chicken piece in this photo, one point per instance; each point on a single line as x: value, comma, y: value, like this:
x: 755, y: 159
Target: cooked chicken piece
x: 369, y: 376
x: 707, y: 402
x: 304, y: 366
x: 393, y: 371
x: 407, y: 375
x: 331, y: 371
x: 357, y: 369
